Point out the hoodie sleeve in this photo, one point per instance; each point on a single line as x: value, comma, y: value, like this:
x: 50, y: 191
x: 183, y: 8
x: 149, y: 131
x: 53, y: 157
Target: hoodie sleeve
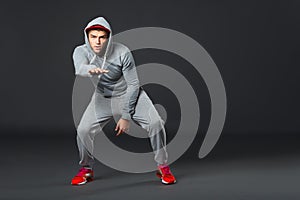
x: 81, y: 62
x: 131, y: 78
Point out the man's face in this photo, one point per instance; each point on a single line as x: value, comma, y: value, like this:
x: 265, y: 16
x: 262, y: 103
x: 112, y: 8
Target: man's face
x: 98, y: 40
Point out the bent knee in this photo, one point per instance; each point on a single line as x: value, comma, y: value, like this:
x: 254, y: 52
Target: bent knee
x: 82, y: 130
x: 88, y: 129
x: 156, y: 123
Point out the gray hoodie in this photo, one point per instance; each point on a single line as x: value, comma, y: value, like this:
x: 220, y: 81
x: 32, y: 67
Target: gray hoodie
x: 122, y: 77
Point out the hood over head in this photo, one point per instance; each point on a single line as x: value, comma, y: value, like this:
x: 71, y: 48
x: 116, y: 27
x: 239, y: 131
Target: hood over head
x: 101, y: 23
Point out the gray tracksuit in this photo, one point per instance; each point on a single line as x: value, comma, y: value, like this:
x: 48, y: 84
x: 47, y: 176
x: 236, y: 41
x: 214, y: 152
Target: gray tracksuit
x: 120, y: 85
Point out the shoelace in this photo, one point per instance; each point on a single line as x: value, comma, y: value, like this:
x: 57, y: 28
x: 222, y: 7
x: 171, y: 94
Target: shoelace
x: 82, y: 172
x: 165, y: 170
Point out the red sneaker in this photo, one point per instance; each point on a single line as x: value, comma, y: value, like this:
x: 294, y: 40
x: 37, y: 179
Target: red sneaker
x: 84, y: 175
x: 165, y: 174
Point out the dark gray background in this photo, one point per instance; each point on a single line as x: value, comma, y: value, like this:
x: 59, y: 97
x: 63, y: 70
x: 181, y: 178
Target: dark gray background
x: 253, y: 43
x: 255, y: 46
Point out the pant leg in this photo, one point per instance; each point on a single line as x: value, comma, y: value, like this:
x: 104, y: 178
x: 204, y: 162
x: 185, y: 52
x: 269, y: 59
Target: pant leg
x: 148, y: 118
x: 95, y: 117
x: 86, y: 158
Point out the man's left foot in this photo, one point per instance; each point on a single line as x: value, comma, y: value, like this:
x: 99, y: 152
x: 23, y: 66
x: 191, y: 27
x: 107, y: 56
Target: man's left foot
x: 84, y: 175
x: 165, y: 174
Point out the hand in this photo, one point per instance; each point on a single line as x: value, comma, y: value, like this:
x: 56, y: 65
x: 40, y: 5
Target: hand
x: 122, y: 126
x: 97, y: 71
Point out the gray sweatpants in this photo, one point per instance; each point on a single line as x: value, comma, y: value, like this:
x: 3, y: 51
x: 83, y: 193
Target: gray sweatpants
x: 100, y: 110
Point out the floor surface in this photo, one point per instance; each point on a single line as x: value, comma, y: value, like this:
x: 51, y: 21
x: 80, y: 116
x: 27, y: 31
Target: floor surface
x: 240, y: 167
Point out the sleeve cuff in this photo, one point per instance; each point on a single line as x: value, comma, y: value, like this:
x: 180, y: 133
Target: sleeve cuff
x: 126, y: 116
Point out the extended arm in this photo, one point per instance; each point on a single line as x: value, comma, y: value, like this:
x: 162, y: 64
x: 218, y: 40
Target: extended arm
x: 83, y: 66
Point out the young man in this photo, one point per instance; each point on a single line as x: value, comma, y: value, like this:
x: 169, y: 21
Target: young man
x: 113, y: 66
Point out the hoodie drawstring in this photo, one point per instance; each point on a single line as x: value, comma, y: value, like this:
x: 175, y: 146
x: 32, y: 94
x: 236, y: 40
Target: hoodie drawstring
x: 102, y: 66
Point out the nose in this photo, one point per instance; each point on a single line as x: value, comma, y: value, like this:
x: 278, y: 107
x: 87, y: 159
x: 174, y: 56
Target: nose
x: 98, y: 40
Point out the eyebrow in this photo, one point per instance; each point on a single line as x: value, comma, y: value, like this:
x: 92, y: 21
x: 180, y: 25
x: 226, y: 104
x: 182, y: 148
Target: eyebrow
x: 102, y: 36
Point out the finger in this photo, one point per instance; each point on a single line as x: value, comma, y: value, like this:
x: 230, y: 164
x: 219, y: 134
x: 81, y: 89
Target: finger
x: 119, y: 132
x: 104, y: 71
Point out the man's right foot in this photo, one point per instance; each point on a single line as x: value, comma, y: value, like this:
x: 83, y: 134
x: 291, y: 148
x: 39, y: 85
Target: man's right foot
x: 84, y: 175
